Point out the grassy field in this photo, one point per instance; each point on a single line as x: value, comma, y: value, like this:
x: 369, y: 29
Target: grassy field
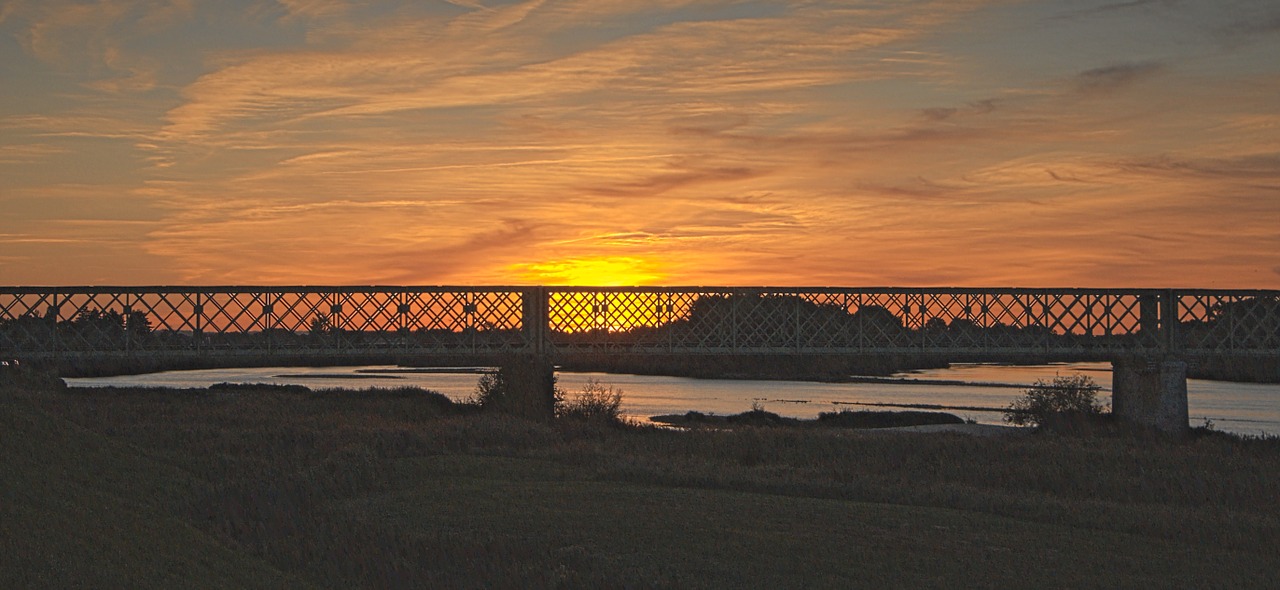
x: 255, y: 487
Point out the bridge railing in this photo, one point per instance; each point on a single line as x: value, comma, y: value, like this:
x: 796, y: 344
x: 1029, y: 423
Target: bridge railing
x: 286, y: 320
x: 1226, y: 323
x: 1079, y: 324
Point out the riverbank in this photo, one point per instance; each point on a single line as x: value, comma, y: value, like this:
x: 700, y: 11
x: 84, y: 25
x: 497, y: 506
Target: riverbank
x: 977, y: 392
x: 274, y: 487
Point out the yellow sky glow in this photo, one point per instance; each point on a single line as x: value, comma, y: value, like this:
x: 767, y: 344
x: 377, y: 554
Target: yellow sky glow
x: 586, y: 272
x: 596, y: 142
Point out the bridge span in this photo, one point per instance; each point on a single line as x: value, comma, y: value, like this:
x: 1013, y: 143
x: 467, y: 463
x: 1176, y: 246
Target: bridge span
x: 1148, y: 334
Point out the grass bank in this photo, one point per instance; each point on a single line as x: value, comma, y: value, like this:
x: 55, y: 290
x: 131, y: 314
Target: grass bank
x: 247, y: 487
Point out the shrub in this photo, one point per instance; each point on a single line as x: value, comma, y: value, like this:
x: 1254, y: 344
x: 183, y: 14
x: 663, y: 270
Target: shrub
x: 596, y: 402
x: 514, y: 389
x: 1074, y: 394
x: 491, y: 390
x: 758, y: 416
x: 227, y: 387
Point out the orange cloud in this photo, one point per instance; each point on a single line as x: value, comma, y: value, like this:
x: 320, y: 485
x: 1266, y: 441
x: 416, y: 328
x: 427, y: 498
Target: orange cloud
x: 818, y: 143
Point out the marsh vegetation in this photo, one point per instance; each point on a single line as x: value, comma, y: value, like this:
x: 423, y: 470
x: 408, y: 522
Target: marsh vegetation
x: 288, y: 487
x: 1048, y: 402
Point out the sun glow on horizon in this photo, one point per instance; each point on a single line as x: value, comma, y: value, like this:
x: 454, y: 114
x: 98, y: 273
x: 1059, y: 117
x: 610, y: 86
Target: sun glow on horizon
x: 1101, y: 144
x: 591, y: 271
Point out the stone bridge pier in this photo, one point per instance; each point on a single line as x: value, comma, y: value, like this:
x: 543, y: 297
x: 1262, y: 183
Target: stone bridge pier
x: 531, y: 384
x: 1151, y: 392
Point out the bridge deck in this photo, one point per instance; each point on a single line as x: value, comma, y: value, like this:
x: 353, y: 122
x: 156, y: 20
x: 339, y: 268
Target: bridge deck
x: 562, y: 322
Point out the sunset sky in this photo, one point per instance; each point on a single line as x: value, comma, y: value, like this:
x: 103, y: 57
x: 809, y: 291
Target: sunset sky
x: 616, y: 142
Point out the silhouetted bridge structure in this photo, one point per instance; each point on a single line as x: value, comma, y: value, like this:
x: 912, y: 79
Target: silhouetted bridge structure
x: 1149, y: 334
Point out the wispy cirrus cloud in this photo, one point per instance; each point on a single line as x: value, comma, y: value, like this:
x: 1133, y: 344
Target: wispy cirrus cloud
x: 91, y: 36
x: 451, y: 66
x: 1113, y: 7
x: 699, y: 142
x: 1114, y: 77
x: 17, y: 154
x: 314, y: 8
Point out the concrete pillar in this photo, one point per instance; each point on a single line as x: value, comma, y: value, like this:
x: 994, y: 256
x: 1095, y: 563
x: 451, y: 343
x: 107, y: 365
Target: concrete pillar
x: 530, y: 382
x: 1151, y: 393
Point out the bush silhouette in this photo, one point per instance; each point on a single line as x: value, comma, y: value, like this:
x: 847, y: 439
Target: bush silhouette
x: 1074, y: 394
x: 596, y: 402
x: 491, y: 390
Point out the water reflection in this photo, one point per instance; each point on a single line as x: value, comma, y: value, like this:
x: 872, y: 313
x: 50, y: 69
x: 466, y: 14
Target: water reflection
x: 1234, y: 407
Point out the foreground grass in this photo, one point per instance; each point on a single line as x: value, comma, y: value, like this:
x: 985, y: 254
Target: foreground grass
x: 79, y: 509
x: 260, y: 487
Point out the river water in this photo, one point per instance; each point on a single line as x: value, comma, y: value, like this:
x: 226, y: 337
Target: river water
x: 1242, y: 408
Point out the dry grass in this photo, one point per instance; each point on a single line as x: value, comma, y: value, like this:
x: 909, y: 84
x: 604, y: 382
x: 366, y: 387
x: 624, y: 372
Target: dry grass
x: 400, y: 488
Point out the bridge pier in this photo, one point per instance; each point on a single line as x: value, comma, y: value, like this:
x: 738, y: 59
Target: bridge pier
x: 530, y: 381
x: 1151, y: 393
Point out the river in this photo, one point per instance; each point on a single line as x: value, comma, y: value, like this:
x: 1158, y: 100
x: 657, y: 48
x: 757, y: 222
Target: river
x: 1242, y: 408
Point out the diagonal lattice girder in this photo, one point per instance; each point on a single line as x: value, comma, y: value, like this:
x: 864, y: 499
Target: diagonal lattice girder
x: 1062, y: 323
